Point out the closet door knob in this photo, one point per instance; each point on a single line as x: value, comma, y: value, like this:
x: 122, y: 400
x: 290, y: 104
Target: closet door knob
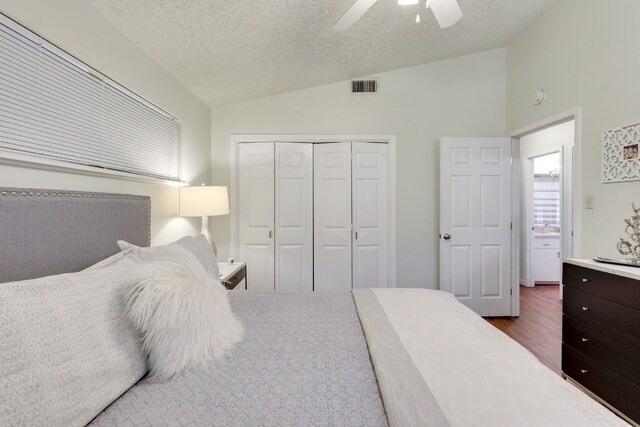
x: 447, y: 236
x: 584, y: 371
x: 270, y: 234
x: 585, y: 309
x: 585, y: 340
x: 585, y: 280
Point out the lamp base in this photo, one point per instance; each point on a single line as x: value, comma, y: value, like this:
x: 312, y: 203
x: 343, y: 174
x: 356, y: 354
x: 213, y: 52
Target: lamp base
x: 207, y: 234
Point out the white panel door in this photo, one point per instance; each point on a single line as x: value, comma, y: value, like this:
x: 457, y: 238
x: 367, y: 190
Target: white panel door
x: 369, y: 192
x: 475, y: 222
x: 256, y: 212
x: 294, y: 217
x: 332, y: 216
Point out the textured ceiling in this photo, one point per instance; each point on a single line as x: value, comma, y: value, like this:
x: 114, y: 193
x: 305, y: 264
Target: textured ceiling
x: 229, y: 51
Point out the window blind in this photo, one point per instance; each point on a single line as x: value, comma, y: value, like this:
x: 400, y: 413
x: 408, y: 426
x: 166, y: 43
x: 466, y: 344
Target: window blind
x: 546, y: 200
x: 53, y: 107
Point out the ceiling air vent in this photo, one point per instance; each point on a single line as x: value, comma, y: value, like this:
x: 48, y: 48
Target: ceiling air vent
x: 364, y: 86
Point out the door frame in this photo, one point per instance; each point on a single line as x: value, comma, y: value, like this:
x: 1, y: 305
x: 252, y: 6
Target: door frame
x: 390, y: 140
x: 528, y: 206
x: 574, y: 114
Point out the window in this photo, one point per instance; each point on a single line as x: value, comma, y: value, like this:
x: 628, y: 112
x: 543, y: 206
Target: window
x: 546, y: 191
x: 54, y: 107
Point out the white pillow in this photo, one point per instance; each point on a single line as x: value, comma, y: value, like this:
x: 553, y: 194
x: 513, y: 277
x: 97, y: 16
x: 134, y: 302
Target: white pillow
x: 66, y: 349
x: 185, y: 320
x: 198, y: 246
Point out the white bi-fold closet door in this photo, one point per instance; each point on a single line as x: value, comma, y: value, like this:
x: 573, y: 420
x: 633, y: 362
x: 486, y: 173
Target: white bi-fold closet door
x: 313, y: 216
x: 276, y: 215
x: 350, y: 221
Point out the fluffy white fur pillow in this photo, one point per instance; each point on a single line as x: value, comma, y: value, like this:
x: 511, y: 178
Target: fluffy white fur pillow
x: 186, y: 321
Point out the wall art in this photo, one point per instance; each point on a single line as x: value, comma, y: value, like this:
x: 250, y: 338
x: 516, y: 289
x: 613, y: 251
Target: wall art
x: 620, y: 159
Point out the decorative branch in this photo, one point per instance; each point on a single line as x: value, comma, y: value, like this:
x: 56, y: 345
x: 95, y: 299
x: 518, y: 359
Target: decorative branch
x: 631, y: 246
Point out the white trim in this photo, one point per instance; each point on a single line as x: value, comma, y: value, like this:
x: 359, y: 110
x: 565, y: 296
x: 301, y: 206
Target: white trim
x: 515, y: 230
x: 66, y: 167
x: 390, y: 140
x: 574, y: 114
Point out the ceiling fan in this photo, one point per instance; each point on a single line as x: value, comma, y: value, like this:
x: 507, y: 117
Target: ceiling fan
x: 447, y: 12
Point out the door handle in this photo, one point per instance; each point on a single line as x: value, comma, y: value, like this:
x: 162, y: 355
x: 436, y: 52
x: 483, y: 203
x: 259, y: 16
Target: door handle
x: 447, y: 236
x: 356, y: 235
x: 270, y: 234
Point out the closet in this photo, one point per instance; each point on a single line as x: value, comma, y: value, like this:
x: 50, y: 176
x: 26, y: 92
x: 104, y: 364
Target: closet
x: 313, y: 216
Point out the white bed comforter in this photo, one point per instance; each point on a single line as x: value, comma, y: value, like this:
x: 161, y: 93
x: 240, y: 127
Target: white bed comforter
x: 462, y: 371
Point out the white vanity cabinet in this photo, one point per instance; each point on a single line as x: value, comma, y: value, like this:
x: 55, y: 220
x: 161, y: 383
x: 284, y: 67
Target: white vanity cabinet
x: 545, y: 258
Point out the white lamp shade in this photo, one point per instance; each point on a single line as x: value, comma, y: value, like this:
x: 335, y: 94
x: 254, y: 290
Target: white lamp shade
x: 203, y: 201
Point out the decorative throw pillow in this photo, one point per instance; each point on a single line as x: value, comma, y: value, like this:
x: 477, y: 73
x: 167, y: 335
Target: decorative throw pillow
x: 198, y: 246
x: 185, y: 320
x: 113, y: 259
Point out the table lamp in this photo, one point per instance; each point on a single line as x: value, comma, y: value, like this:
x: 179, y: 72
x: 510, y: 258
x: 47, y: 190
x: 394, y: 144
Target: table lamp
x: 204, y: 201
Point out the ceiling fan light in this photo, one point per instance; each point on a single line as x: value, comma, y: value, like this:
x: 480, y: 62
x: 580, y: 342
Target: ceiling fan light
x: 407, y: 2
x: 417, y: 18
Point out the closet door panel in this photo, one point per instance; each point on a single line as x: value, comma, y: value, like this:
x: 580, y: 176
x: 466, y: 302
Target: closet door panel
x: 370, y: 192
x: 332, y: 218
x: 294, y: 216
x: 256, y: 213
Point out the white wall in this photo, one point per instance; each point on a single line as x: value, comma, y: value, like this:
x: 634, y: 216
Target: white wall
x: 556, y: 138
x: 583, y: 53
x: 459, y: 97
x: 76, y: 27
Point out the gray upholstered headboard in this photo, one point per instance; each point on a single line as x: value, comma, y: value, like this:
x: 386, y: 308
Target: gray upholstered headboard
x: 45, y: 232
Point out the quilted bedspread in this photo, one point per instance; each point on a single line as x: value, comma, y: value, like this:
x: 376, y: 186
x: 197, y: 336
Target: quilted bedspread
x: 303, y: 362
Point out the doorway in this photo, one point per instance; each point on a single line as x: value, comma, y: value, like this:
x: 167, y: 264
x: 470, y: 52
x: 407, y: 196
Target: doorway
x: 542, y: 212
x: 546, y: 203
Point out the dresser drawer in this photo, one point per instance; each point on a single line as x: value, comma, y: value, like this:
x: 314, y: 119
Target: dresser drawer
x: 609, y: 386
x: 607, y: 316
x: 233, y: 281
x: 618, y: 356
x: 620, y: 289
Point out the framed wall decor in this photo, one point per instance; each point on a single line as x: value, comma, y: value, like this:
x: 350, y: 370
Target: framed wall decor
x: 620, y: 159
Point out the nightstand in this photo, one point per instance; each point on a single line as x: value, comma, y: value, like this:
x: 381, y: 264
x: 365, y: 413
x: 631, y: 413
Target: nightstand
x: 232, y: 274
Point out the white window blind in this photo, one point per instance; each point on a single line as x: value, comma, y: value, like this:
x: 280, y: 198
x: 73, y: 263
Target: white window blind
x: 546, y: 200
x: 53, y: 107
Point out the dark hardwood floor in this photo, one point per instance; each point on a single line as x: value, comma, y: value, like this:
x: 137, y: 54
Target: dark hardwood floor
x: 539, y: 327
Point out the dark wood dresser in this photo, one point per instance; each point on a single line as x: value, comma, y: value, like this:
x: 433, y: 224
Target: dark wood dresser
x: 601, y: 332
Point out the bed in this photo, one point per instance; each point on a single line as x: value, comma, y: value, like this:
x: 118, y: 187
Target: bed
x: 372, y: 357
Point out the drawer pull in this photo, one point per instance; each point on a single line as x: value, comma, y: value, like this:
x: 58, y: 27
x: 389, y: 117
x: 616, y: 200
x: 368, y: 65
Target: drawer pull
x: 585, y: 309
x: 584, y: 371
x: 585, y: 280
x: 586, y: 339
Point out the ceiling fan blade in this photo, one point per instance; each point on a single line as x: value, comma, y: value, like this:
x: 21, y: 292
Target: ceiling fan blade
x: 353, y: 14
x: 447, y: 12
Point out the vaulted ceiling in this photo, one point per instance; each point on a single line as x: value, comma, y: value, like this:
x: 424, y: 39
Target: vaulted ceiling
x: 230, y: 51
